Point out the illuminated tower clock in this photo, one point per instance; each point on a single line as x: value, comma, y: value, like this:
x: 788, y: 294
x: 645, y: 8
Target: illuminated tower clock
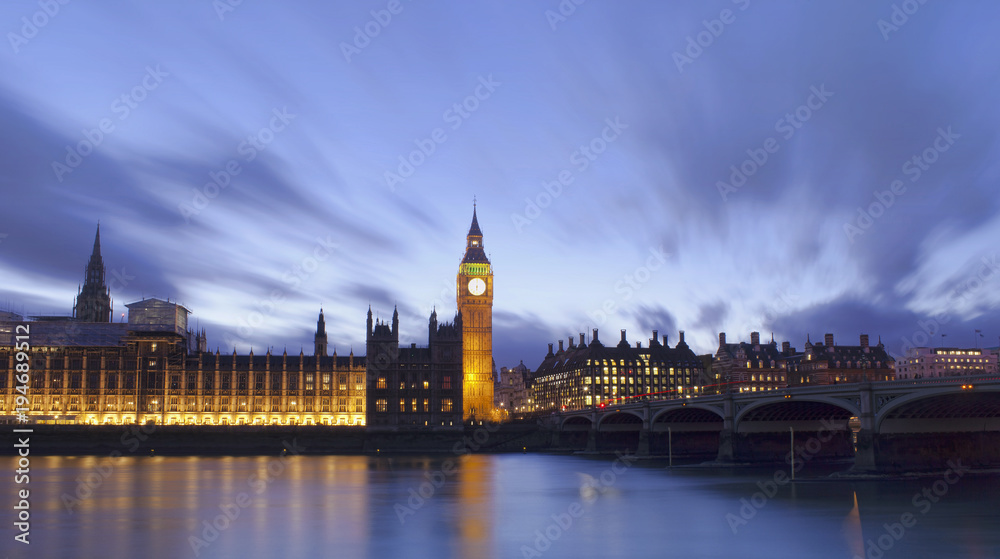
x: 475, y: 302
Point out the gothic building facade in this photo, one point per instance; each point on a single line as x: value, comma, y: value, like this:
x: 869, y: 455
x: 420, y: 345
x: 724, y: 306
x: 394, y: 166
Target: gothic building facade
x: 86, y: 369
x: 153, y: 370
x: 410, y: 386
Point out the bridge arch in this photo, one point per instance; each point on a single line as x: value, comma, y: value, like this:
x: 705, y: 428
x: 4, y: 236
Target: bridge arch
x: 620, y: 417
x: 576, y: 422
x: 811, y: 407
x: 945, y: 409
x: 688, y: 414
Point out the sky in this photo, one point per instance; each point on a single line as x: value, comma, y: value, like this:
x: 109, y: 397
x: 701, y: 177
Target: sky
x: 787, y: 167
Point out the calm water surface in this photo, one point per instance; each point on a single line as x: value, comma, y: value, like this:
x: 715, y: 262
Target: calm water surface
x: 485, y: 507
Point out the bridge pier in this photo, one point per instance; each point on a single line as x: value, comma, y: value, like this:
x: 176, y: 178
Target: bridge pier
x: 644, y: 437
x: 727, y: 437
x: 592, y: 439
x: 865, y: 459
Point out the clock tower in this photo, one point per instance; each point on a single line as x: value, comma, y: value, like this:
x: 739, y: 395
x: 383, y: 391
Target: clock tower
x: 475, y: 302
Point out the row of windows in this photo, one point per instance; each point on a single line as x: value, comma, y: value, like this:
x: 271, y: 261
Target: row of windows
x: 415, y: 405
x: 188, y: 404
x: 614, y: 371
x: 382, y: 384
x: 127, y: 381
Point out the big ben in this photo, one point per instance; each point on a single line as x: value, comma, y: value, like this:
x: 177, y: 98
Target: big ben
x: 475, y: 302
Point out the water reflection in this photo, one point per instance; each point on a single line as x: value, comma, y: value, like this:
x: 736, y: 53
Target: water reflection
x: 475, y: 504
x: 483, y: 507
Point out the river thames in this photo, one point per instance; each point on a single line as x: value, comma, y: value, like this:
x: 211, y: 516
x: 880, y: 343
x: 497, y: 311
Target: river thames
x: 488, y: 506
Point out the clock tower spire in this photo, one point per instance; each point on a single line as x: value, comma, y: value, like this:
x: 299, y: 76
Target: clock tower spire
x: 474, y: 289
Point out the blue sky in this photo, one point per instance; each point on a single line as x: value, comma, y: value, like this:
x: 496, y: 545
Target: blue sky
x: 787, y: 167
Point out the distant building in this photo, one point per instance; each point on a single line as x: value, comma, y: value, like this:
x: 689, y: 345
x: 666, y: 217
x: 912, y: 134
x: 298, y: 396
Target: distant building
x: 927, y: 362
x: 93, y: 302
x: 828, y: 363
x: 751, y: 367
x: 589, y: 376
x: 512, y: 394
x: 414, y: 387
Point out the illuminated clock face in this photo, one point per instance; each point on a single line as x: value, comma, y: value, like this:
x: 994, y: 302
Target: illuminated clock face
x: 477, y: 286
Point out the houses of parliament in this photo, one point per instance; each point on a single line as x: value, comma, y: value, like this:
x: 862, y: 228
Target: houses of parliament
x: 87, y: 369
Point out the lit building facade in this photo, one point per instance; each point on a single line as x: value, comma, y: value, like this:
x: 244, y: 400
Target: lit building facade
x: 828, y: 363
x: 750, y: 367
x: 474, y: 294
x: 593, y: 375
x: 85, y: 369
x: 927, y: 362
x: 152, y: 370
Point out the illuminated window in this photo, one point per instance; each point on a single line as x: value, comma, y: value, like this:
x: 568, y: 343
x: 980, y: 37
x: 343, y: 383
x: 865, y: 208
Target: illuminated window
x: 427, y: 405
x: 381, y: 383
x: 446, y: 385
x: 380, y: 405
x: 446, y: 404
x: 402, y: 404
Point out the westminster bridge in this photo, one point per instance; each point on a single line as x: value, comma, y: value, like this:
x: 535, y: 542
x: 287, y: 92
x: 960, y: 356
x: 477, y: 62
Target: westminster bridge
x: 885, y: 426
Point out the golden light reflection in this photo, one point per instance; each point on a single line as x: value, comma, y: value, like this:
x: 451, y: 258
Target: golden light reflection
x: 475, y: 500
x: 852, y: 530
